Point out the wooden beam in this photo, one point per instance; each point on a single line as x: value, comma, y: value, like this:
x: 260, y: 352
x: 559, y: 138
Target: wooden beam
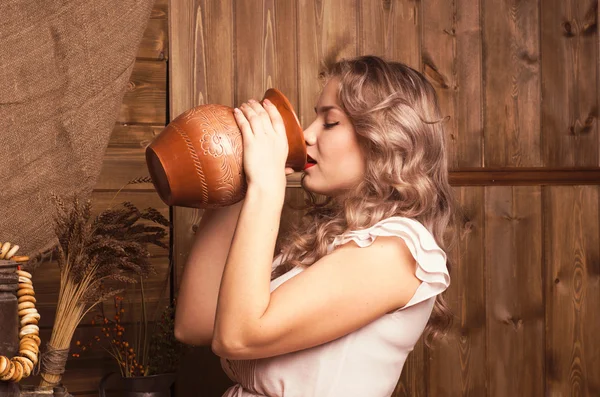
x: 509, y: 177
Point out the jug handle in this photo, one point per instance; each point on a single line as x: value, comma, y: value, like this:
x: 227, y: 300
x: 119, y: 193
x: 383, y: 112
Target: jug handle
x: 102, y: 383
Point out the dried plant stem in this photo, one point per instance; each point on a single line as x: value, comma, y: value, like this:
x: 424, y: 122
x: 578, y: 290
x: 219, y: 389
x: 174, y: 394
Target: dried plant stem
x: 70, y: 311
x: 145, y: 322
x: 109, y: 247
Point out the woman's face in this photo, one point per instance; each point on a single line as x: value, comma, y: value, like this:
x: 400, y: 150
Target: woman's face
x: 331, y: 142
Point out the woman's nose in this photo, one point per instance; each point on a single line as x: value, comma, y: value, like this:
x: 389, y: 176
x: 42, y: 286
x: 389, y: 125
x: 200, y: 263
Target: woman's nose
x: 310, y: 136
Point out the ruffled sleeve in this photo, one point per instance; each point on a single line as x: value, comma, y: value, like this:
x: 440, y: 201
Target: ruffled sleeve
x: 430, y: 258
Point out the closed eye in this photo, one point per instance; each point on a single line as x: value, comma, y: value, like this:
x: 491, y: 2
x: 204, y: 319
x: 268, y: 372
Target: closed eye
x: 330, y: 125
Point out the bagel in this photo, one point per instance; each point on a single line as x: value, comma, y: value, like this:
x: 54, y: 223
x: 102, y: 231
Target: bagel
x: 29, y: 320
x: 20, y: 258
x: 25, y: 305
x: 33, y: 357
x: 11, y: 252
x: 26, y: 363
x: 23, y: 312
x: 33, y: 337
x: 31, y: 347
x: 23, y: 273
x: 4, y: 364
x: 4, y: 250
x: 27, y: 298
x: 8, y: 374
x: 29, y: 329
x: 18, y: 375
x: 25, y: 291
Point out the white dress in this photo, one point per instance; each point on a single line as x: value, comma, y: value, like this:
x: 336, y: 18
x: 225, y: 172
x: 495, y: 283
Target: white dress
x: 366, y: 362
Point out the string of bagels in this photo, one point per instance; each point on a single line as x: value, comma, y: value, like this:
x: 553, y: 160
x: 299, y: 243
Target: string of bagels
x: 21, y: 366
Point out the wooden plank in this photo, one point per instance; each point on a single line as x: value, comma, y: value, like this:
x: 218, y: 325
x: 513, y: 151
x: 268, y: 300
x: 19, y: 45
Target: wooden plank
x: 145, y: 100
x: 524, y: 176
x: 160, y: 9
x: 507, y: 177
x: 181, y: 52
x: 133, y: 135
x: 286, y: 50
x: 209, y: 79
x: 213, y: 49
x: 124, y: 159
x: 572, y: 252
x: 122, y: 165
x: 391, y: 29
x: 255, y: 48
x: 458, y: 362
x: 155, y: 43
x: 452, y: 57
x: 325, y: 29
x: 569, y: 112
x: 512, y: 84
x: 515, y: 303
x: 102, y: 200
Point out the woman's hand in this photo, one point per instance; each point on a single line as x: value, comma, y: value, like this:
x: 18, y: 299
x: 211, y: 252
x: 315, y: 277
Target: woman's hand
x: 265, y: 145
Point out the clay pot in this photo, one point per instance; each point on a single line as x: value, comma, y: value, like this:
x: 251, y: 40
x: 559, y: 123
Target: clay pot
x: 159, y: 385
x: 196, y: 161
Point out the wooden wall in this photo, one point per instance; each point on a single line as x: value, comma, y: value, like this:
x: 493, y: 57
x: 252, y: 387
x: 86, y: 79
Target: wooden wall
x: 143, y: 114
x: 519, y: 80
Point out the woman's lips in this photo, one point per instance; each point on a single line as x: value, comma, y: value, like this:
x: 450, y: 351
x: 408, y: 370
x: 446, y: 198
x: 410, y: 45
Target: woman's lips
x: 309, y: 162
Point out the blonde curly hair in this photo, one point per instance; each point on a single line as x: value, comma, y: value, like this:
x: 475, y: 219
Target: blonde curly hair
x: 400, y: 131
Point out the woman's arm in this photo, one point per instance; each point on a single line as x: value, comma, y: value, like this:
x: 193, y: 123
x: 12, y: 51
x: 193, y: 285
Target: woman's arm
x: 340, y: 293
x: 199, y: 288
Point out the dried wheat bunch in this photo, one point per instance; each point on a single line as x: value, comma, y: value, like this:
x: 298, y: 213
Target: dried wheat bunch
x: 94, y: 254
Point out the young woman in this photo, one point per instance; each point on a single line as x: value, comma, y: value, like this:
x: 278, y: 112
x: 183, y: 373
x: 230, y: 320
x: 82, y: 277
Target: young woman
x: 338, y: 310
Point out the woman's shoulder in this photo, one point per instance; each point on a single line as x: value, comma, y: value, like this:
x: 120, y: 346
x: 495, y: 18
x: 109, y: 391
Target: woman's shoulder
x: 430, y: 258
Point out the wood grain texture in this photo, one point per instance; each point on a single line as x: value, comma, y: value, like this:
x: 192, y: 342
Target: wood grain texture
x: 515, y: 303
x: 327, y: 29
x: 265, y: 42
x: 391, y: 29
x: 155, y: 44
x: 452, y: 62
x: 458, y: 362
x: 286, y: 50
x: 122, y: 165
x: 572, y: 288
x: 145, y: 100
x: 160, y: 10
x: 512, y: 83
x: 133, y: 135
x: 569, y: 40
x: 255, y: 46
x: 510, y: 176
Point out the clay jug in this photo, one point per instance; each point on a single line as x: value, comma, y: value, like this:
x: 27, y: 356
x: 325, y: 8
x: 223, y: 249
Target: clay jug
x: 196, y: 161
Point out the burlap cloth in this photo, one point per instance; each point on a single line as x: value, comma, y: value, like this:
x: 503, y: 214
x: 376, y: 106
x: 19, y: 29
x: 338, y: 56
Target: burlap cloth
x: 64, y: 67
